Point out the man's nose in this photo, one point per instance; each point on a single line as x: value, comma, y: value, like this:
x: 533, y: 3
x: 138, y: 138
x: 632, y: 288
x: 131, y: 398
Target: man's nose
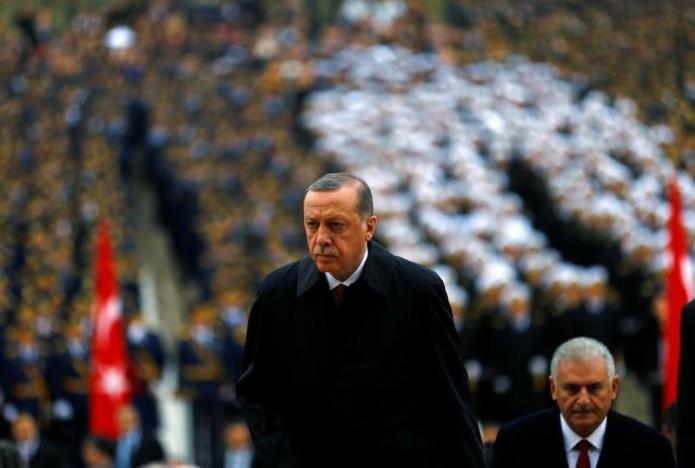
x: 323, y: 237
x: 583, y: 397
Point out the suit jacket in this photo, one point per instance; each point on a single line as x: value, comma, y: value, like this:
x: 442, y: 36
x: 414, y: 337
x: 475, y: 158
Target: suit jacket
x: 537, y: 441
x: 380, y: 378
x: 147, y: 451
x: 685, y: 434
x: 47, y: 455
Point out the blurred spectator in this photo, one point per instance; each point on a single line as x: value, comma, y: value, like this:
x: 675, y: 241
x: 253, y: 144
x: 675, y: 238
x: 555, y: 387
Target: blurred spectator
x: 24, y: 376
x: 9, y: 455
x: 134, y: 447
x: 518, y: 359
x: 238, y: 446
x: 204, y: 380
x: 146, y: 361
x: 98, y: 452
x: 34, y: 450
x: 68, y: 373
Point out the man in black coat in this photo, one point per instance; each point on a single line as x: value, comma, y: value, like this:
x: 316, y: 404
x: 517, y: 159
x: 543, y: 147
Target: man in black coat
x: 685, y: 432
x: 352, y: 358
x: 583, y: 431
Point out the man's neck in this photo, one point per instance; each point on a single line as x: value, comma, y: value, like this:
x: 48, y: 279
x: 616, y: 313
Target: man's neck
x: 354, y: 276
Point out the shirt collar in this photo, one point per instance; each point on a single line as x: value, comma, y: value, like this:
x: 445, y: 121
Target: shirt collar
x: 332, y: 282
x: 571, y: 438
x: 521, y: 324
x: 377, y: 271
x: 29, y: 447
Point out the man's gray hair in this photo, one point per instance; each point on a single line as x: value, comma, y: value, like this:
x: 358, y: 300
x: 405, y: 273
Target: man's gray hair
x: 337, y: 180
x: 582, y: 349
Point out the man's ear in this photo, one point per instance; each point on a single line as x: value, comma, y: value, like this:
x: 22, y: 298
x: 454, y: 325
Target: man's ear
x: 553, y: 388
x: 614, y: 386
x: 370, y: 223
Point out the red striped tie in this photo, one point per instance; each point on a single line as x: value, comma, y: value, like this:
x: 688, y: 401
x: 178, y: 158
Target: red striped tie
x: 583, y: 460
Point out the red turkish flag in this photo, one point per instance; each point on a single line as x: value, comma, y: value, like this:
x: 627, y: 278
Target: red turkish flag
x: 679, y: 289
x: 109, y: 386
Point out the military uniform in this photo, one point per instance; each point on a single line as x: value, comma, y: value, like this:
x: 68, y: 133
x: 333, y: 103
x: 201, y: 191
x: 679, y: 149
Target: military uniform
x: 201, y: 378
x: 24, y: 381
x: 146, y: 361
x: 68, y: 378
x: 520, y: 368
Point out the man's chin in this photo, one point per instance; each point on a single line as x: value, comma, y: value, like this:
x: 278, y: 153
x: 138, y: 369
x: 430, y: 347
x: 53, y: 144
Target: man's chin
x: 583, y: 424
x: 324, y: 264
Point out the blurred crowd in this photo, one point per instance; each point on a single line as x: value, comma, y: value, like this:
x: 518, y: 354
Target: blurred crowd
x: 472, y: 167
x: 539, y: 200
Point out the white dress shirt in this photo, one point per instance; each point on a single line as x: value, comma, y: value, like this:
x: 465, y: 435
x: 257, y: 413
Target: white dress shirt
x: 571, y: 439
x: 333, y: 282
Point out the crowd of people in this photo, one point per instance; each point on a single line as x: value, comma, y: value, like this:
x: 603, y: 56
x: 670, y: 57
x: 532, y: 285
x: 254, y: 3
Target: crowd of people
x: 539, y: 201
x: 460, y: 158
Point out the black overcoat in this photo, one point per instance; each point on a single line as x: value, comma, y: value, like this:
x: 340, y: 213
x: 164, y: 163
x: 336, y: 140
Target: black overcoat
x: 685, y: 442
x: 378, y: 381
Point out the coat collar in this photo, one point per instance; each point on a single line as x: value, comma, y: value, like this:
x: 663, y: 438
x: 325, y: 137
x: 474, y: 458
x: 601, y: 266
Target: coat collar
x: 607, y: 457
x: 556, y: 452
x: 377, y: 271
x: 606, y: 452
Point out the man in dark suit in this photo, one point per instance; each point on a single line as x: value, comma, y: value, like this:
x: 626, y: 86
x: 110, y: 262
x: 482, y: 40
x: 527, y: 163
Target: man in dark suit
x: 685, y: 432
x: 583, y: 431
x: 134, y: 446
x: 35, y: 451
x: 352, y: 358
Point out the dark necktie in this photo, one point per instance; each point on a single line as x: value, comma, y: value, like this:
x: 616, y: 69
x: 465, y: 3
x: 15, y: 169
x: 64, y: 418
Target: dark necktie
x: 583, y: 460
x: 339, y: 292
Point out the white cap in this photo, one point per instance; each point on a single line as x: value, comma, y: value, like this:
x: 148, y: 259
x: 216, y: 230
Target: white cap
x: 119, y: 37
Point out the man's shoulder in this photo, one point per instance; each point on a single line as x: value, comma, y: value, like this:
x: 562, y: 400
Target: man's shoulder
x: 540, y: 421
x: 536, y: 437
x: 410, y: 270
x: 629, y: 427
x: 285, y: 276
x: 689, y: 309
x: 635, y: 443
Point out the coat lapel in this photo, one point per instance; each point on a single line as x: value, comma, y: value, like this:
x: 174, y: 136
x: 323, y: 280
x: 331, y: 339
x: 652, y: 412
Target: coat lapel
x: 377, y: 271
x: 557, y: 453
x: 607, y: 457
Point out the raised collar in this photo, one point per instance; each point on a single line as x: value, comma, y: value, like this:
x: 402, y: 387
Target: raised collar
x: 376, y: 274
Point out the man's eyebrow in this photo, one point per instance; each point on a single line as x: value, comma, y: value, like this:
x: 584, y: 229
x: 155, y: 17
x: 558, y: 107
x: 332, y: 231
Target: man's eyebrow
x: 575, y: 384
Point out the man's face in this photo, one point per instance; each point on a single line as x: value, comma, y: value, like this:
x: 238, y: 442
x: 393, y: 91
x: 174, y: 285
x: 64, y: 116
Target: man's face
x: 336, y: 236
x: 237, y: 436
x: 584, y: 393
x: 127, y: 419
x: 24, y: 428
